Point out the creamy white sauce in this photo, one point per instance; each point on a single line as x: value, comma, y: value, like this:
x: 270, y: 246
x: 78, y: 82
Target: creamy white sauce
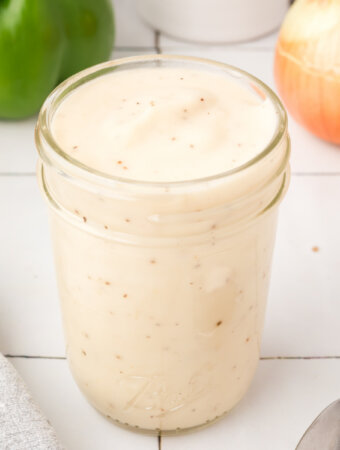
x: 164, y: 124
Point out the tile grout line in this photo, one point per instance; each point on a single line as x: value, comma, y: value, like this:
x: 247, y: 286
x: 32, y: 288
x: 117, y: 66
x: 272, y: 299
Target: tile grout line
x: 273, y: 358
x: 61, y: 358
x: 262, y: 358
x: 157, y: 36
x: 208, y: 48
x: 136, y: 49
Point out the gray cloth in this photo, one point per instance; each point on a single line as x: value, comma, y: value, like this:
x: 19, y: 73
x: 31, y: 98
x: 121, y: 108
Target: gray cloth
x: 22, y: 424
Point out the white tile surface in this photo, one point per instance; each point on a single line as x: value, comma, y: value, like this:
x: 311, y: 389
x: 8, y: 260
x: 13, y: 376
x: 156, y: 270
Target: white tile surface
x: 304, y: 304
x: 267, y: 41
x: 17, y: 151
x: 130, y: 30
x: 29, y: 310
x: 77, y: 424
x: 310, y: 154
x: 122, y: 53
x: 264, y: 42
x: 284, y: 399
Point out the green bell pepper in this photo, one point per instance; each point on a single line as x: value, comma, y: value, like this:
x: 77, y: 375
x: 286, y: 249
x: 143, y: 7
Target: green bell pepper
x: 42, y: 42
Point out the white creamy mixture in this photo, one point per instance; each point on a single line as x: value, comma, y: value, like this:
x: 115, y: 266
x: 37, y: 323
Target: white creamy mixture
x: 164, y: 124
x: 163, y: 321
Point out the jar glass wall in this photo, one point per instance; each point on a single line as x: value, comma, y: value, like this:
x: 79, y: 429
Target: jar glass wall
x: 163, y: 286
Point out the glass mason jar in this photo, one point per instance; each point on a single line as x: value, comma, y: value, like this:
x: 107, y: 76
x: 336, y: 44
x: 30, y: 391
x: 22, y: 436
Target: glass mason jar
x: 163, y: 286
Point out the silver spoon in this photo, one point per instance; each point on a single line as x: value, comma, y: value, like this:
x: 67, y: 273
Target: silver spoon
x: 324, y: 433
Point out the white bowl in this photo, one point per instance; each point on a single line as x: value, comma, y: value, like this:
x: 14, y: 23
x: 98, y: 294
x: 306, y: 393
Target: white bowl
x: 214, y: 20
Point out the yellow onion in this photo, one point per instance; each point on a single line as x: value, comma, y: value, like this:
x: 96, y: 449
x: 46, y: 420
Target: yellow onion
x: 307, y: 66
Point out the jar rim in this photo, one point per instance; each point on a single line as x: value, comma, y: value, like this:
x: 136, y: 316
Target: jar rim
x: 49, y: 149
